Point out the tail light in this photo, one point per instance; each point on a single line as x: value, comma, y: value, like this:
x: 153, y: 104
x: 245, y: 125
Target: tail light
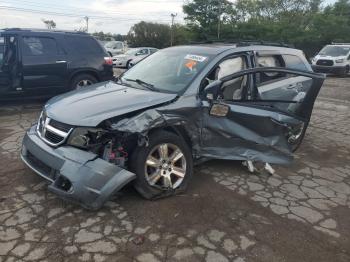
x: 108, y: 60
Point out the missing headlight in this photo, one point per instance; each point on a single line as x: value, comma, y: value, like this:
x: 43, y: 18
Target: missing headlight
x: 85, y: 137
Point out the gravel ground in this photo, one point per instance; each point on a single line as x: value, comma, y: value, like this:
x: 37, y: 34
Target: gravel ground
x: 299, y: 214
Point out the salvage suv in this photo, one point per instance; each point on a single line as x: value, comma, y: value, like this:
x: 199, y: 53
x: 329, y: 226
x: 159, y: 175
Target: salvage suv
x: 47, y: 62
x: 180, y: 106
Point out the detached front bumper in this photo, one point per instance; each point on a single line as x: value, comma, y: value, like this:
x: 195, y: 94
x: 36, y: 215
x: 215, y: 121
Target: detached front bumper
x: 75, y: 175
x: 338, y: 70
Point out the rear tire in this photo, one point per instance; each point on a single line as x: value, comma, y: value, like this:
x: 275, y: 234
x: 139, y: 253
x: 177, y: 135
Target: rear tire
x: 81, y: 81
x: 154, y: 171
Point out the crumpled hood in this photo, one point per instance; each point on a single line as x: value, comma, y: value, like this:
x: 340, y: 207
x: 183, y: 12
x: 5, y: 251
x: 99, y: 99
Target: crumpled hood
x: 92, y: 105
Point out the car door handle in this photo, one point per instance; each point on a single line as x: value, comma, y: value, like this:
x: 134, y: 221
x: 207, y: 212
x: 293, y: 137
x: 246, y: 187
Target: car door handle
x: 61, y: 61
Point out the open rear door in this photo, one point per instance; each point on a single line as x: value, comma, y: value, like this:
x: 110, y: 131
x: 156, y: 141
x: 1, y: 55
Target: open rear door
x: 267, y: 126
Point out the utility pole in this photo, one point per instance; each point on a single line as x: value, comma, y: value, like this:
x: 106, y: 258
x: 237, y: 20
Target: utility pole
x: 219, y: 18
x: 172, y: 29
x: 86, y: 18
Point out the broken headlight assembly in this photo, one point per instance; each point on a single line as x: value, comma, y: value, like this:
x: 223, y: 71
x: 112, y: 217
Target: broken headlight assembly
x: 84, y: 138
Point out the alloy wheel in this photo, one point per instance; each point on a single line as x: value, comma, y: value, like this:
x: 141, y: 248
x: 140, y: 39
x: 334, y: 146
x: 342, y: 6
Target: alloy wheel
x: 165, y: 166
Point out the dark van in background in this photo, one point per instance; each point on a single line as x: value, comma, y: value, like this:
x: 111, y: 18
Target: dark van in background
x: 46, y: 63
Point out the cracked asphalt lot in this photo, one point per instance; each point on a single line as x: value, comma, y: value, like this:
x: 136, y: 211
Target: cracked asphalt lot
x: 300, y: 214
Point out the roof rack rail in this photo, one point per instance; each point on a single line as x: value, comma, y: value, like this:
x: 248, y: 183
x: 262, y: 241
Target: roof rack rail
x: 260, y: 42
x: 333, y: 43
x: 42, y: 30
x: 243, y: 43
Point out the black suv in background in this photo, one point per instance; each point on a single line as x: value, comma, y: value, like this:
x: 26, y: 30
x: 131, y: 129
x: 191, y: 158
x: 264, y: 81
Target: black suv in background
x: 45, y: 63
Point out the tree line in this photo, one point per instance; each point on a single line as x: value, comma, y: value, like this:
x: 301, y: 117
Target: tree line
x: 305, y: 24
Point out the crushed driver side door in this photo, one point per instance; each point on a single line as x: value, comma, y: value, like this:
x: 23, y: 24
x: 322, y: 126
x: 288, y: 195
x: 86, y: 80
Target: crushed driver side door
x: 266, y: 126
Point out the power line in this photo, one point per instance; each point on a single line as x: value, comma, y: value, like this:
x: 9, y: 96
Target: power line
x: 75, y: 15
x: 81, y: 10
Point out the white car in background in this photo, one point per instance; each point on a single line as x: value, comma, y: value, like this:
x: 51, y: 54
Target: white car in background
x: 135, y: 55
x: 115, y: 47
x: 333, y: 59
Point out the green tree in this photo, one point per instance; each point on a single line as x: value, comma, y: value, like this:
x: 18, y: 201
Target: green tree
x: 50, y: 24
x: 183, y: 34
x: 149, y: 34
x: 203, y: 16
x: 108, y: 36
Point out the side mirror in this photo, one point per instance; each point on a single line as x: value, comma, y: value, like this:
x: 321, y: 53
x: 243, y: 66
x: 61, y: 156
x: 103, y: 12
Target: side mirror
x: 211, y: 91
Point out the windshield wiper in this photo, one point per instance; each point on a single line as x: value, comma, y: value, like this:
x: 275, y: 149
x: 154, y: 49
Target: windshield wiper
x: 143, y: 83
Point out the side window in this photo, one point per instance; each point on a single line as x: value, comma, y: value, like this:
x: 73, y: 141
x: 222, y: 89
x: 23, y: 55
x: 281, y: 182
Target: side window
x: 286, y: 93
x: 269, y: 61
x: 39, y: 46
x: 294, y: 62
x: 82, y: 45
x: 143, y: 52
x: 232, y: 90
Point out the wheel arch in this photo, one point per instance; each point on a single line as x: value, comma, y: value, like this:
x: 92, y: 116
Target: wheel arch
x: 178, y: 130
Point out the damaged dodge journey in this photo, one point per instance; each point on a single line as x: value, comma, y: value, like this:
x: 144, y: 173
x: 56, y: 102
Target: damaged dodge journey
x: 178, y: 107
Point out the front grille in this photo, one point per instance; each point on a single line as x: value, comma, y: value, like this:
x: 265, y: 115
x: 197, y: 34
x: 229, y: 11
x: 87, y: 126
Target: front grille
x: 53, y: 138
x: 325, y: 62
x: 51, y: 131
x: 60, y: 126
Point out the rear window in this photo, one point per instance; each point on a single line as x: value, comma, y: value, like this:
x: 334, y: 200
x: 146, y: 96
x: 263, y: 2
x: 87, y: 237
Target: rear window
x: 83, y: 45
x: 294, y: 62
x: 286, y: 60
x: 39, y: 46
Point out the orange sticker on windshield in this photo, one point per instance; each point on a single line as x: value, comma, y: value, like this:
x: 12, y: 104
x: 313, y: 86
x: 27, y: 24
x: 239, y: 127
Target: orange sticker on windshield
x: 190, y: 64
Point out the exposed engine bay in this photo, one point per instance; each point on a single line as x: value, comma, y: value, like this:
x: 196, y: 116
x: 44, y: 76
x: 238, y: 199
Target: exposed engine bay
x: 112, y: 146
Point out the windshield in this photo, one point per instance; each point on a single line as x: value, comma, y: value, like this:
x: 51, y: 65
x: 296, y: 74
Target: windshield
x: 116, y: 45
x: 170, y: 70
x: 335, y: 50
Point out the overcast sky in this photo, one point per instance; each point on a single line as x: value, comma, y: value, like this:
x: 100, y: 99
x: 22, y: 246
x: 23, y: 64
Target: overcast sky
x: 115, y: 16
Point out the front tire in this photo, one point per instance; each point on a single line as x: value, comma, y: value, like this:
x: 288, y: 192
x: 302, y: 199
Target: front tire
x: 164, y: 167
